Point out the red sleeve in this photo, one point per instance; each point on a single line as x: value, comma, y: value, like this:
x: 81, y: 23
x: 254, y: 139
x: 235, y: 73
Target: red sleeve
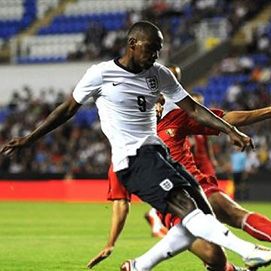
x: 173, y: 120
x: 194, y: 128
x: 116, y: 190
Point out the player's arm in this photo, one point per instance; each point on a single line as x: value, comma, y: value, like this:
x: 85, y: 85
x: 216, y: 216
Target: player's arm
x: 120, y: 209
x: 242, y: 118
x: 205, y: 117
x: 57, y: 117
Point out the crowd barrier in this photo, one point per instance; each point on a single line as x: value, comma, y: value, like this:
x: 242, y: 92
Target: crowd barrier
x: 66, y: 190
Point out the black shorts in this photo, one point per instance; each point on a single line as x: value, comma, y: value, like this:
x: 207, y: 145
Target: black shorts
x: 152, y: 174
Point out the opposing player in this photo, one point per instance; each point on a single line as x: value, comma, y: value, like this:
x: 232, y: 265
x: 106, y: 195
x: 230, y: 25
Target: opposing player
x: 125, y: 91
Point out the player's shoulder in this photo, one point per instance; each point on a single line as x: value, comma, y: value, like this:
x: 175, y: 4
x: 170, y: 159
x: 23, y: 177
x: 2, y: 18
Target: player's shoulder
x: 160, y: 67
x: 97, y: 70
x: 102, y: 65
x: 162, y: 71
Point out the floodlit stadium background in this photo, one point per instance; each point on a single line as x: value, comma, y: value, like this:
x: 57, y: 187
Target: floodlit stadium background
x: 223, y: 48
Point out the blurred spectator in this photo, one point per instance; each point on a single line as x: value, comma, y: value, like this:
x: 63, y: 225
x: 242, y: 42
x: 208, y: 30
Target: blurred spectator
x: 238, y: 163
x: 252, y: 163
x: 15, y: 100
x: 229, y: 65
x: 94, y: 39
x: 232, y: 96
x: 78, y: 147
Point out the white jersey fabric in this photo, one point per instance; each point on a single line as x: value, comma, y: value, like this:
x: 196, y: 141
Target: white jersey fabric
x: 125, y: 103
x: 168, y: 107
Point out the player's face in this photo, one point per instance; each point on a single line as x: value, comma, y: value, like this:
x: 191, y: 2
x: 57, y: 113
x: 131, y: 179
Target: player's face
x: 147, y: 50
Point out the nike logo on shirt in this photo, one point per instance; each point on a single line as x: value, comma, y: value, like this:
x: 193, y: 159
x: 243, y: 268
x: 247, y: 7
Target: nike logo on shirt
x: 116, y: 83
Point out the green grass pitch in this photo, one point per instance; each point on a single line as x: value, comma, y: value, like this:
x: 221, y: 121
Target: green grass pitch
x: 64, y: 236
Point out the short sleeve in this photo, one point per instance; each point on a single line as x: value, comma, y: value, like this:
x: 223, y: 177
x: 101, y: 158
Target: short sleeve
x: 170, y: 87
x: 89, y: 86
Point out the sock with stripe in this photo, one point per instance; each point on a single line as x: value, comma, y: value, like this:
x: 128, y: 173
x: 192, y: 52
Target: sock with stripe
x: 258, y: 226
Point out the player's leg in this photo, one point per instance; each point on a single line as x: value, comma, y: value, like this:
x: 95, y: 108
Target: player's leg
x: 177, y: 240
x: 213, y: 256
x: 153, y: 178
x: 231, y: 213
x: 200, y: 224
x: 209, y: 228
x: 157, y: 227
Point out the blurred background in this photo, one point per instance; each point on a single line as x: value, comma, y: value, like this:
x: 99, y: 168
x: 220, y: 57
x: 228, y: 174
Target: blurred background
x: 223, y: 48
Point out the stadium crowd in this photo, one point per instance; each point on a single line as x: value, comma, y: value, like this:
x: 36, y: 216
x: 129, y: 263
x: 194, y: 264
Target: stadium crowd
x: 178, y: 23
x: 77, y: 148
x: 80, y: 148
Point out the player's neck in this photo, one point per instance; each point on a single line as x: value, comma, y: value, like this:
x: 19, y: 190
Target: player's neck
x: 128, y: 64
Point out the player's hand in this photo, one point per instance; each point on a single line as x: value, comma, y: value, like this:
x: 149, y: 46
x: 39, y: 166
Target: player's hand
x: 241, y: 140
x: 106, y: 252
x: 14, y: 145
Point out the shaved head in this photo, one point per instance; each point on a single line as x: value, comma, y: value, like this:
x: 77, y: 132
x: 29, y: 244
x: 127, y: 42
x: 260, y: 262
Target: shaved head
x: 144, y: 42
x: 143, y: 29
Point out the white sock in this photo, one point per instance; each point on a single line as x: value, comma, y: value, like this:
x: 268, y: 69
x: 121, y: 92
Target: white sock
x: 176, y: 240
x: 210, y: 229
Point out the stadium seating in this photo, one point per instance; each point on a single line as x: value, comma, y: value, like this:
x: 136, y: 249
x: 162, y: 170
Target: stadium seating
x: 74, y: 21
x: 45, y: 5
x: 215, y: 90
x: 52, y: 43
x: 66, y: 32
x: 49, y: 48
x: 15, y: 16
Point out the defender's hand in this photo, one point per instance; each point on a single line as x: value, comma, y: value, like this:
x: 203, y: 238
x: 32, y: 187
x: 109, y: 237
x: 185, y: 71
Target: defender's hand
x: 241, y: 140
x: 106, y: 252
x: 14, y: 145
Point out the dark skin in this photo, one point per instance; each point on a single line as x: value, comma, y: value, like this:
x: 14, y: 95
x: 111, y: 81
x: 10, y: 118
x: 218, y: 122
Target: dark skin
x: 141, y: 52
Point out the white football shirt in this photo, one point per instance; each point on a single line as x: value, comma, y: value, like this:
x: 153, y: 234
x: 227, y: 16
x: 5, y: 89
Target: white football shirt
x: 125, y: 103
x: 168, y: 107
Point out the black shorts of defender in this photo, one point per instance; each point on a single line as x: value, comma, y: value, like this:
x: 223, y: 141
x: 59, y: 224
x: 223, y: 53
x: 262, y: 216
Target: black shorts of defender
x: 152, y: 175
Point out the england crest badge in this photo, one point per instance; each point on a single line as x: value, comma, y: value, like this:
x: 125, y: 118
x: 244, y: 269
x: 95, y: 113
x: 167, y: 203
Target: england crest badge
x: 152, y: 83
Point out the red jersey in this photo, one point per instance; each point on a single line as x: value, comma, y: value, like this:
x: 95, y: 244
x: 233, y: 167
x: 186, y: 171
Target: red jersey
x: 201, y: 155
x: 174, y: 128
